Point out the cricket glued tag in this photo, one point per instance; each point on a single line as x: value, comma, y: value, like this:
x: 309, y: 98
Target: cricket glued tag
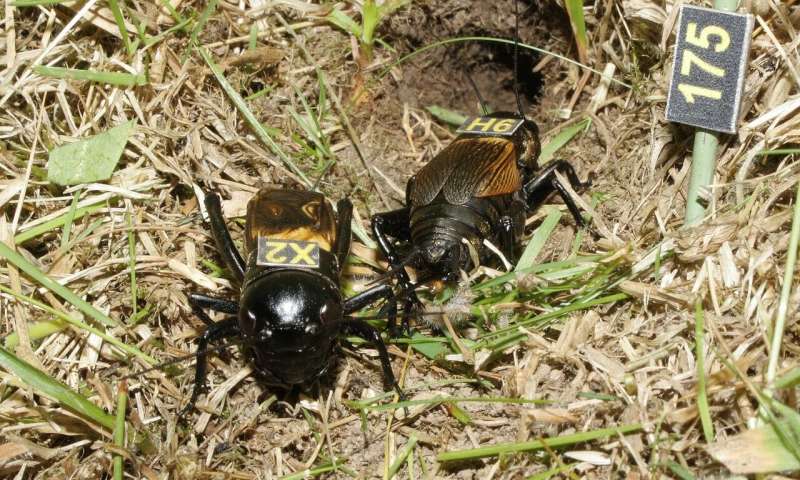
x: 502, y: 127
x: 711, y: 51
x: 273, y: 252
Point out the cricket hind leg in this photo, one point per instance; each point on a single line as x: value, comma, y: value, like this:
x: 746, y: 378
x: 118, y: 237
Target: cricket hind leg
x: 546, y: 181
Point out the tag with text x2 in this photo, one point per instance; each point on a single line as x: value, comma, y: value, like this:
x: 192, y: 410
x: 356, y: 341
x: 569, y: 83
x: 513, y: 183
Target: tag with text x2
x: 274, y: 252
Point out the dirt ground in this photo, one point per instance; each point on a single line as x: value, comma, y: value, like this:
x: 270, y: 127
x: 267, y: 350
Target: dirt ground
x: 627, y: 360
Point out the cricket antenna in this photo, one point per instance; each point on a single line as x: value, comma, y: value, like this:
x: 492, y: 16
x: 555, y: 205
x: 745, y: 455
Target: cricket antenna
x: 516, y: 59
x: 484, y: 109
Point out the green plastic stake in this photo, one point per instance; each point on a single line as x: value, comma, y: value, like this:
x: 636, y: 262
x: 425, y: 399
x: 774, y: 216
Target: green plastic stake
x: 704, y: 155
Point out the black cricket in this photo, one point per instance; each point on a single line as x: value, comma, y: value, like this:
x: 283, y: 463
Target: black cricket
x: 480, y: 187
x: 290, y: 310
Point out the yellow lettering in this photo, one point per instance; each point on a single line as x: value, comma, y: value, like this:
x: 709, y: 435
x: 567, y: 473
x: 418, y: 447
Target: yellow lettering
x: 703, y: 40
x: 484, y: 123
x: 689, y: 91
x: 303, y: 255
x: 504, y: 125
x: 690, y: 58
x: 273, y: 249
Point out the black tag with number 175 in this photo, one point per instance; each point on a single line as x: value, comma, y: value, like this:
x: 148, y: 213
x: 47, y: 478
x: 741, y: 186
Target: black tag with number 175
x: 711, y: 51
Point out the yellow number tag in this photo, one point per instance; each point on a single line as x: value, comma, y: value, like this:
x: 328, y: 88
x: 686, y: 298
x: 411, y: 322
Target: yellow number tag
x: 711, y: 53
x: 287, y: 253
x: 502, y: 127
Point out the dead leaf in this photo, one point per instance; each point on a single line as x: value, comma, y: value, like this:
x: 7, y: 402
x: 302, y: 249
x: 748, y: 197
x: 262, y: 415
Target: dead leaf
x: 754, y: 451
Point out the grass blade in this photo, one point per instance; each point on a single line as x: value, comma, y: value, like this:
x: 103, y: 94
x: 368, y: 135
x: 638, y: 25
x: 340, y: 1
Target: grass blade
x: 119, y: 429
x: 21, y: 263
x: 123, y: 30
x: 118, y: 79
x: 41, y: 383
x: 538, y: 240
x: 575, y: 11
x: 789, y: 379
x: 57, y: 222
x: 439, y: 400
x: 36, y: 331
x: 251, y: 119
x: 83, y: 326
x: 132, y: 265
x: 69, y: 219
x: 370, y: 16
x: 36, y: 3
x: 786, y: 290
x: 702, y: 396
x: 679, y: 470
x: 780, y: 151
x: 446, y: 115
x: 552, y: 442
x: 402, y: 456
x: 313, y: 472
x: 563, y: 137
x: 199, y: 25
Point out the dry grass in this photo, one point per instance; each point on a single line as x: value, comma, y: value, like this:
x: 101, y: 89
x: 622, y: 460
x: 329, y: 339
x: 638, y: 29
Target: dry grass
x: 625, y: 362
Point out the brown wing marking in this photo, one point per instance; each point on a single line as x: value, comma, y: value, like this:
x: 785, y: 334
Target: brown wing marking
x: 492, y: 172
x: 290, y: 215
x: 487, y: 167
x: 469, y: 167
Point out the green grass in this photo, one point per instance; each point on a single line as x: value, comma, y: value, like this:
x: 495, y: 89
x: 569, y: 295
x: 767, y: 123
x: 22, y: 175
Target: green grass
x: 777, y: 329
x: 210, y: 8
x: 23, y: 264
x: 119, y: 429
x: 702, y: 396
x: 132, y: 265
x: 780, y: 151
x: 780, y: 437
x: 789, y: 379
x: 404, y: 455
x: 45, y: 385
x: 566, y: 286
x: 251, y: 119
x: 333, y: 466
x: 679, y: 470
x: 545, y: 443
x: 317, y: 143
x: 150, y: 41
x: 36, y: 3
x: 446, y: 115
x: 343, y: 118
x: 63, y: 317
x: 118, y: 79
x: 372, y: 15
x: 562, y: 138
x: 538, y: 240
x: 578, y: 23
x: 36, y: 331
x: 69, y: 219
x: 119, y: 18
